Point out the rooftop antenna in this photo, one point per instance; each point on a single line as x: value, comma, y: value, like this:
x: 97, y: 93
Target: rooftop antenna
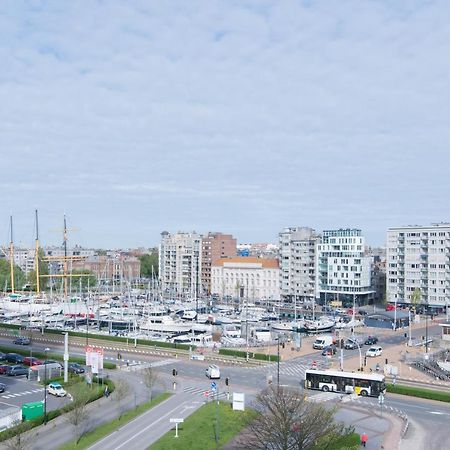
x: 11, y: 254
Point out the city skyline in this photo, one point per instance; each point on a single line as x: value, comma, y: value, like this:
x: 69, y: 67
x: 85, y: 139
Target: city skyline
x: 242, y: 117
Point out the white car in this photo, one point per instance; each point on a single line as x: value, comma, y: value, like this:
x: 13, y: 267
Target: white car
x: 374, y: 351
x: 213, y: 372
x: 56, y: 389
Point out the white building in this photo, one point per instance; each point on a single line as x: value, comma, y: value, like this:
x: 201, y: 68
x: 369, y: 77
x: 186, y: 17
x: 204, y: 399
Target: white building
x: 250, y: 277
x: 180, y: 262
x: 418, y: 259
x: 343, y: 272
x: 297, y: 263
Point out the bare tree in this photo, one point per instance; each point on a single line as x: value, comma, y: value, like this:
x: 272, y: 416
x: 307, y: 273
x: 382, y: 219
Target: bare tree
x: 79, y: 414
x: 149, y: 378
x: 287, y: 421
x: 121, y: 391
x: 20, y: 440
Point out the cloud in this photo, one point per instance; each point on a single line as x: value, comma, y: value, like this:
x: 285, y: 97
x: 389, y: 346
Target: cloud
x: 252, y: 114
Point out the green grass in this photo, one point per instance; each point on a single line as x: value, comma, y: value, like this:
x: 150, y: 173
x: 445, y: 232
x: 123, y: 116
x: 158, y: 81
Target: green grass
x: 418, y: 392
x: 104, y: 430
x: 251, y: 355
x: 198, y: 430
x: 350, y: 442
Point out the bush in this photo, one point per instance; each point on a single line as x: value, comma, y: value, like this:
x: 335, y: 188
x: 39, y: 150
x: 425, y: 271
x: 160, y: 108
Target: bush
x: 418, y: 392
x: 251, y: 355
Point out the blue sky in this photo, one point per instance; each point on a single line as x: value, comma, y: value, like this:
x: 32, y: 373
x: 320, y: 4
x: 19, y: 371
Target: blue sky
x: 241, y: 116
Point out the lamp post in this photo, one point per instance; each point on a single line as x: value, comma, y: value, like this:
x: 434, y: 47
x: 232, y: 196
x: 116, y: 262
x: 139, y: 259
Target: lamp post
x: 426, y: 332
x: 278, y: 363
x: 45, y: 387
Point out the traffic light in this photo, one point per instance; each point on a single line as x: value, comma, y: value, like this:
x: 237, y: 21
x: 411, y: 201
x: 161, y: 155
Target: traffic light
x: 174, y: 372
x: 227, y: 381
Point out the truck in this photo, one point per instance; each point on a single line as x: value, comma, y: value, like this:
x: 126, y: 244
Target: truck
x: 323, y: 341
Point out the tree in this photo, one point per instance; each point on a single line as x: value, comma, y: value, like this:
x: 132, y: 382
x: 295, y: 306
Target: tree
x: 5, y: 276
x: 416, y: 297
x: 80, y: 274
x: 79, y: 414
x: 20, y: 440
x: 288, y: 422
x: 149, y: 378
x: 149, y: 264
x: 121, y: 391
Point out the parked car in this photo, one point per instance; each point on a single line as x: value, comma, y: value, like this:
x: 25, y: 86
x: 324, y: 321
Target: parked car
x: 213, y: 372
x: 371, y: 340
x: 374, y: 351
x: 14, y: 371
x: 52, y: 361
x: 350, y: 344
x: 2, y: 356
x: 329, y: 350
x: 31, y: 361
x: 2, y: 387
x: 362, y: 312
x: 22, y: 340
x: 75, y: 368
x: 14, y: 358
x: 3, y: 369
x: 56, y: 389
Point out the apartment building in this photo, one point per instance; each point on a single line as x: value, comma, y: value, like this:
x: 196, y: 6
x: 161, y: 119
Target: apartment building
x: 343, y: 270
x: 214, y: 247
x: 180, y: 262
x: 297, y: 253
x: 418, y: 261
x: 250, y: 277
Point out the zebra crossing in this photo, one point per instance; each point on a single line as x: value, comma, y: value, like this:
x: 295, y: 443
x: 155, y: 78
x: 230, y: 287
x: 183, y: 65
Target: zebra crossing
x: 19, y: 394
x: 195, y: 390
x: 293, y: 368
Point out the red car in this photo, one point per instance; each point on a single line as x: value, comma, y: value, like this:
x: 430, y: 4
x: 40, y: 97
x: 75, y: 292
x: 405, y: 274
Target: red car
x: 31, y: 361
x: 390, y: 307
x: 3, y: 369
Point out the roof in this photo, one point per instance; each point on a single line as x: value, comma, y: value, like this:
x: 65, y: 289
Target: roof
x: 390, y: 314
x: 267, y: 263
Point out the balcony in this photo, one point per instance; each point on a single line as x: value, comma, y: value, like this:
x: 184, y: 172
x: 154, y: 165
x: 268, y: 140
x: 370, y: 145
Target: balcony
x: 424, y: 257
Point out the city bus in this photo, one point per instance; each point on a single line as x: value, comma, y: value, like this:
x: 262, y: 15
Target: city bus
x: 365, y: 384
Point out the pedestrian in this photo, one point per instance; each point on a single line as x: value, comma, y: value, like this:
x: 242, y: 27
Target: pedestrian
x: 364, y: 439
x: 106, y: 391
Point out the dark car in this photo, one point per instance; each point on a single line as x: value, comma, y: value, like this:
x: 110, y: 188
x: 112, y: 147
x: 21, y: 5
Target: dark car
x: 31, y: 361
x: 329, y: 350
x: 2, y: 387
x: 14, y: 371
x: 3, y: 369
x: 350, y: 345
x: 2, y: 356
x: 22, y: 340
x: 14, y: 358
x: 76, y: 368
x: 371, y: 340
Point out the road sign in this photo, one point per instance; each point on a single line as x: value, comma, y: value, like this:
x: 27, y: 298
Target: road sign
x: 381, y: 399
x: 176, y: 420
x: 213, y: 386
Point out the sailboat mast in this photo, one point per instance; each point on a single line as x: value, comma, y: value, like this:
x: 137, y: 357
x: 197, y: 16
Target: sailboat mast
x: 11, y: 255
x: 65, y: 255
x: 38, y: 286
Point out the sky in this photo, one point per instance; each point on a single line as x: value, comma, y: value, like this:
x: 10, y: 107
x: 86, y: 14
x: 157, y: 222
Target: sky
x: 237, y: 116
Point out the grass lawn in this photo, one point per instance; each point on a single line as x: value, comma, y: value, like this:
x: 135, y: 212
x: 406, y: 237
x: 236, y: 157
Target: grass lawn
x: 350, y: 442
x: 198, y: 430
x: 103, y: 430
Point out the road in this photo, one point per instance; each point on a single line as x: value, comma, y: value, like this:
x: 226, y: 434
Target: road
x: 429, y: 419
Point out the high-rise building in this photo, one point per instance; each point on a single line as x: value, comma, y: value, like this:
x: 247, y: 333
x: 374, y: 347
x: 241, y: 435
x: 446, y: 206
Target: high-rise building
x: 343, y: 270
x: 180, y: 262
x: 418, y: 264
x: 297, y: 252
x: 214, y: 247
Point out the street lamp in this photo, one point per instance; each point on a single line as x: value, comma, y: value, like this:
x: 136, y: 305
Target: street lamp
x: 45, y: 387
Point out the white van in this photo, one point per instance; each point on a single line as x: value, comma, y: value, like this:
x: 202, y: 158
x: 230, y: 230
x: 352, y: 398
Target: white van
x: 323, y: 341
x: 213, y: 372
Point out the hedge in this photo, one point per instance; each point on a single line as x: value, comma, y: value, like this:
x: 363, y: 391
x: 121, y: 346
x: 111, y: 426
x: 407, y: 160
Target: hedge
x: 251, y: 355
x: 418, y: 392
x: 108, y: 337
x: 57, y: 356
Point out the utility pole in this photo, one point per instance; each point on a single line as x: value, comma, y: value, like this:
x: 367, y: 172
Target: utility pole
x: 11, y: 255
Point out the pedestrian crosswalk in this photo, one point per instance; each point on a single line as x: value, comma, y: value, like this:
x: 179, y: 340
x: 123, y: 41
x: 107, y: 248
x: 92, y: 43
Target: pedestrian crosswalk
x: 20, y: 394
x: 293, y: 368
x: 202, y: 392
x: 323, y: 397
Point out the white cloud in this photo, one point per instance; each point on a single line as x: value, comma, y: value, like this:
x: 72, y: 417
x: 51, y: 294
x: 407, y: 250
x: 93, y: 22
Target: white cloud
x: 241, y: 115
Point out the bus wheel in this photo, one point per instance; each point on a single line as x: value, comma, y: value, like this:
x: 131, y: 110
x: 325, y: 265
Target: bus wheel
x: 325, y: 388
x: 363, y: 393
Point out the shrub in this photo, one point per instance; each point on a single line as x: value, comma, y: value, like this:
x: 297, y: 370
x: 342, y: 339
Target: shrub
x: 419, y: 392
x: 251, y: 355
